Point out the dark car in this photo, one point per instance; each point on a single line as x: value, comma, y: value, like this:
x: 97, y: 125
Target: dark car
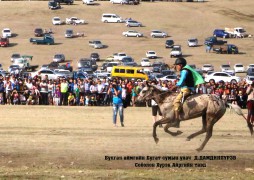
x: 95, y: 56
x: 65, y: 1
x: 38, y: 32
x: 220, y: 33
x: 169, y: 43
x: 104, y: 66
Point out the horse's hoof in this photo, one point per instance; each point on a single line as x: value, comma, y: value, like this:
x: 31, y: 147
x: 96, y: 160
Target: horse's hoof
x: 199, y: 149
x: 188, y: 139
x: 179, y: 132
x: 156, y: 140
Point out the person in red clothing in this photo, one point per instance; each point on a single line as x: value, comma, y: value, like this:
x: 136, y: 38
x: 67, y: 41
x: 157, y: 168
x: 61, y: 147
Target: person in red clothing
x: 129, y: 86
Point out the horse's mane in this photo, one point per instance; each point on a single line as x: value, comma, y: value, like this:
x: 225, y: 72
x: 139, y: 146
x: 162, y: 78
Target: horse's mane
x: 162, y: 94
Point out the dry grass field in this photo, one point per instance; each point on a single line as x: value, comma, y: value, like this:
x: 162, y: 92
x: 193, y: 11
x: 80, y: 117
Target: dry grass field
x: 43, y: 142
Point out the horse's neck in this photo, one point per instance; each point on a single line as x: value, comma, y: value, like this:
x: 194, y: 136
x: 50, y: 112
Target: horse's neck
x: 161, y: 97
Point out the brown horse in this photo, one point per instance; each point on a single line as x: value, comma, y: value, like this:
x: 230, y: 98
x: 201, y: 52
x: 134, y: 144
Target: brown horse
x: 210, y: 107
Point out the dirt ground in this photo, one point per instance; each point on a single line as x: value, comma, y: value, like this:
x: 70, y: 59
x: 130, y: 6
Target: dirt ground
x: 39, y: 142
x: 75, y: 142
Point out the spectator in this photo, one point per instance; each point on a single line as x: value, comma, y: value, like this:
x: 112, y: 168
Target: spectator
x: 64, y: 92
x: 241, y: 99
x: 71, y: 99
x: 116, y: 90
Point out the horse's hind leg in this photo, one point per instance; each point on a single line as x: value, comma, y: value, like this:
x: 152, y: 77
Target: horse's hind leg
x: 203, y: 130
x: 168, y: 125
x: 209, y: 134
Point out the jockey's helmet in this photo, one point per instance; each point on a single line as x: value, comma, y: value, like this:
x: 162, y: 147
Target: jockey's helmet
x: 180, y: 61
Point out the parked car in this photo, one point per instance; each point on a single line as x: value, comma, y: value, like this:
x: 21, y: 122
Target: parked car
x: 145, y: 62
x: 132, y: 33
x: 47, y: 39
x: 111, y: 18
x: 158, y: 67
x: 15, y: 56
x: 104, y: 66
x: 53, y: 5
x: 56, y: 21
x: 43, y: 72
x: 193, y: 42
x: 249, y: 79
x: 176, y: 51
x: 63, y: 73
x: 133, y: 23
x: 168, y: 78
x: 220, y: 33
x: 59, y: 58
x: 111, y: 65
x: 38, y: 32
x: 6, y: 32
x: 87, y: 65
x: 169, y: 43
x: 118, y: 1
x: 239, y: 68
x: 207, y: 67
x: 225, y: 48
x: 151, y: 54
x: 250, y: 66
x: 158, y: 33
x: 13, y: 67
x: 4, y: 41
x: 74, y: 20
x: 96, y: 44
x: 95, y: 56
x: 218, y: 76
x: 69, y: 33
x: 127, y: 59
x: 225, y: 67
x: 88, y: 2
x: 119, y: 56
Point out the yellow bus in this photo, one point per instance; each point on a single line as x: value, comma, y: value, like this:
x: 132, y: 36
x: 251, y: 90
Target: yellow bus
x: 128, y: 72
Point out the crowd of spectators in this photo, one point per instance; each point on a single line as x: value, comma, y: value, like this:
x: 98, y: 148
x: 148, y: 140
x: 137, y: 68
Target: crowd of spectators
x: 94, y: 92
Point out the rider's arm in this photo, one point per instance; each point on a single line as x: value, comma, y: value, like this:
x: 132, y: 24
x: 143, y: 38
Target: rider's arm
x: 184, y: 74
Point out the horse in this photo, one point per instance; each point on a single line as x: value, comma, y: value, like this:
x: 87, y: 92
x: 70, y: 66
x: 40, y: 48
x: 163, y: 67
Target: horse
x: 209, y: 106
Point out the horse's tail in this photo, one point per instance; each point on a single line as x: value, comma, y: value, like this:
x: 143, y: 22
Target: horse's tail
x: 237, y: 109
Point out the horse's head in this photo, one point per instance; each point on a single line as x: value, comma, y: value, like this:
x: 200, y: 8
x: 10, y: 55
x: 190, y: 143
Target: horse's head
x: 147, y: 93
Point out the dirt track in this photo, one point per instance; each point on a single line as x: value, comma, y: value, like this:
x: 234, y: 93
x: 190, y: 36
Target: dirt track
x: 73, y: 142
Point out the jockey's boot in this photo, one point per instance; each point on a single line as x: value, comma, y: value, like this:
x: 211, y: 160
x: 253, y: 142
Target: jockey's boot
x: 176, y: 123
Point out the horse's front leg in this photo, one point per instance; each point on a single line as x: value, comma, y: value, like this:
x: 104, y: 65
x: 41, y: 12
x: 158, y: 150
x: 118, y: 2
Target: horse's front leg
x: 156, y: 139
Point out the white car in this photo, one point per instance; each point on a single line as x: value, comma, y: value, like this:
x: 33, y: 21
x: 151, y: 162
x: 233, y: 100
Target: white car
x: 43, y: 72
x: 119, y: 56
x: 132, y: 33
x: 193, y: 42
x: 158, y: 33
x: 133, y: 23
x: 145, y: 62
x: 118, y: 1
x: 239, y: 67
x: 6, y: 32
x: 169, y: 78
x: 207, y: 67
x: 74, y: 20
x: 225, y: 67
x: 151, y: 54
x: 218, y: 76
x: 176, y: 51
x: 88, y: 2
x: 249, y: 79
x: 110, y: 66
x: 56, y: 21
